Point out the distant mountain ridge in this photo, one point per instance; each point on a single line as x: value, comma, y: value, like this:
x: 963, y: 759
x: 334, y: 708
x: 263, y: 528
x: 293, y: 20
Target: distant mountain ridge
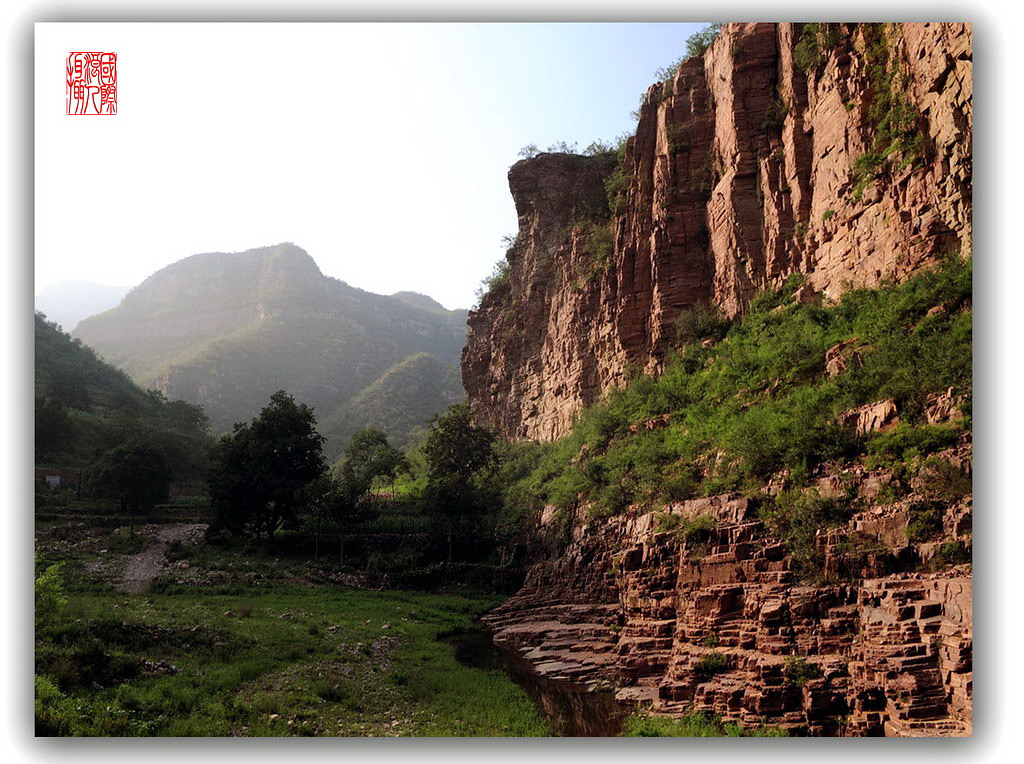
x: 226, y: 330
x: 68, y: 302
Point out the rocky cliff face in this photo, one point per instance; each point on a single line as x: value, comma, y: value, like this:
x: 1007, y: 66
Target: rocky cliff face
x: 842, y: 152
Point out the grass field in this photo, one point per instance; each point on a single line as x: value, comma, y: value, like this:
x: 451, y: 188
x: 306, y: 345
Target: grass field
x: 240, y: 641
x: 267, y: 659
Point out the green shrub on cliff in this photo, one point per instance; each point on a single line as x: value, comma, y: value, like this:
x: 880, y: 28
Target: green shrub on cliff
x: 814, y: 45
x: 891, y: 115
x: 697, y: 44
x: 709, y: 665
x: 701, y: 322
x: 799, y: 671
x: 796, y: 516
x: 497, y: 283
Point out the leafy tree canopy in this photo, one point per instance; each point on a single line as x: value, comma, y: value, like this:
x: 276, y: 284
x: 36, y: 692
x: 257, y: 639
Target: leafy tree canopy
x: 259, y: 471
x: 136, y: 474
x: 369, y: 456
x: 456, y: 451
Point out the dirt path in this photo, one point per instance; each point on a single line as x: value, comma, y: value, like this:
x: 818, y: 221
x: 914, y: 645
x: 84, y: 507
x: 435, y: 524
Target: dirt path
x: 140, y: 569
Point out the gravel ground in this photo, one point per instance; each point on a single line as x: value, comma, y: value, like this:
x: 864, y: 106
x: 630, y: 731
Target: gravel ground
x: 140, y: 569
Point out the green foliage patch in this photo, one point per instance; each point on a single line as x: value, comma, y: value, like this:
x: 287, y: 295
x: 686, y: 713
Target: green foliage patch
x: 892, y: 117
x: 694, y: 725
x: 799, y: 670
x: 709, y: 665
x: 814, y: 45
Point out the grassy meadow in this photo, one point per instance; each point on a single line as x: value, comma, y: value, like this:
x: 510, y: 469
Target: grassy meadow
x: 253, y: 655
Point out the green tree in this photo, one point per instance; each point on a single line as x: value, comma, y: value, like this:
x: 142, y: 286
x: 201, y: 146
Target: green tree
x: 259, y: 472
x: 369, y: 456
x: 186, y: 417
x: 53, y: 426
x: 700, y: 41
x: 320, y: 497
x: 348, y: 501
x: 339, y: 503
x: 229, y: 481
x: 458, y: 455
x: 136, y: 474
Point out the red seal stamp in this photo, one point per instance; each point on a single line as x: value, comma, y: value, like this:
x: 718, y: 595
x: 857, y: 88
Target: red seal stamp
x: 92, y: 83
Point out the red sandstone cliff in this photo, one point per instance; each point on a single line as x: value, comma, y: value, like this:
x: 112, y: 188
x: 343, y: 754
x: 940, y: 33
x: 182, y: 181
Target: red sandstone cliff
x: 851, y: 164
x: 745, y: 167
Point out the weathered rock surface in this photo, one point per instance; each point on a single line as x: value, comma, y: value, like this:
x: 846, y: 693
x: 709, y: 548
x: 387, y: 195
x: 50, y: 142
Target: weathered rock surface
x: 742, y: 171
x: 881, y: 648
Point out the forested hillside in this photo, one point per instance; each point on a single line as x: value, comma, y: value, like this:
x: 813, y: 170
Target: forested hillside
x: 85, y: 407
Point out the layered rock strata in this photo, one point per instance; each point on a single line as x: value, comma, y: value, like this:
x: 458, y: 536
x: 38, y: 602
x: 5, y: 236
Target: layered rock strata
x: 755, y: 161
x: 723, y: 623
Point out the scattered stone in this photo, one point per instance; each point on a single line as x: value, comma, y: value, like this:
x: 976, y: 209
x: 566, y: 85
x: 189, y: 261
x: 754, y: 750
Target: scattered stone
x: 880, y: 416
x: 151, y: 668
x: 944, y: 407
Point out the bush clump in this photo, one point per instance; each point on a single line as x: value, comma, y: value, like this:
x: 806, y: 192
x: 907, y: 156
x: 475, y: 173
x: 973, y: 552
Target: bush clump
x: 797, y: 516
x: 814, y: 45
x: 951, y: 553
x: 698, y: 531
x: 925, y: 520
x: 497, y: 283
x: 799, y: 671
x: 709, y: 665
x: 701, y: 322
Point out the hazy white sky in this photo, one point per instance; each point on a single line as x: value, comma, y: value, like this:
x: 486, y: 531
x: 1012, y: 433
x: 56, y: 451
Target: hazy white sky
x: 382, y: 149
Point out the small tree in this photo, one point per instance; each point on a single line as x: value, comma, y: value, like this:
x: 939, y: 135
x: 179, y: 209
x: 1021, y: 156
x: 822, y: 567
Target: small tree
x: 369, y: 456
x: 331, y: 500
x: 699, y: 42
x: 457, y: 452
x: 136, y: 474
x: 53, y: 426
x: 229, y: 481
x: 259, y: 472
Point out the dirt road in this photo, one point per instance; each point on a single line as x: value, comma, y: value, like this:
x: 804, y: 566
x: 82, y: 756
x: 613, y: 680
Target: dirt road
x: 140, y: 569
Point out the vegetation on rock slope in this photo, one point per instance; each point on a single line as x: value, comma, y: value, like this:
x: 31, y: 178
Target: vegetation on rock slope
x: 731, y: 412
